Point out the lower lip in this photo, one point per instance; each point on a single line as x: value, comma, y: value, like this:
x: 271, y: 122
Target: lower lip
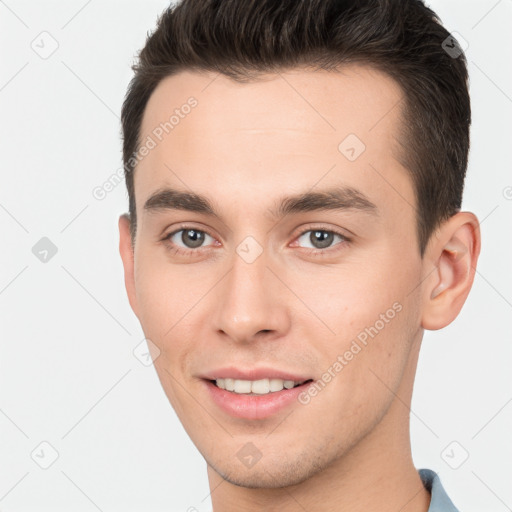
x: 254, y: 407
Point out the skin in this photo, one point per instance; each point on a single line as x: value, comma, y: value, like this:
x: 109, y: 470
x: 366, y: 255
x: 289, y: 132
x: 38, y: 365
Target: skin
x: 244, y: 147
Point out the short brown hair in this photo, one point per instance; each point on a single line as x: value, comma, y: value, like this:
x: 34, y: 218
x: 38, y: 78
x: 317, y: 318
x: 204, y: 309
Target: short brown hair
x: 403, y: 38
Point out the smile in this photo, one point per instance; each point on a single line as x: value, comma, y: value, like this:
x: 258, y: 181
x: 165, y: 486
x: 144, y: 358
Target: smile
x: 271, y: 397
x: 256, y: 387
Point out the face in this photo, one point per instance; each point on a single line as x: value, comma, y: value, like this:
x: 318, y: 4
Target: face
x: 295, y: 259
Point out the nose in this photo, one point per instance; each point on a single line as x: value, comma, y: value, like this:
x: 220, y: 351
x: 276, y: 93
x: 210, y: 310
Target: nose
x: 251, y: 302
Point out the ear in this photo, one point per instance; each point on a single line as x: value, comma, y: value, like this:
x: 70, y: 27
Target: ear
x: 452, y: 253
x: 127, y: 255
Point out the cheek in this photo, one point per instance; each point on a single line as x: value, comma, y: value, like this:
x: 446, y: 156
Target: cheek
x: 382, y: 338
x: 371, y: 314
x: 362, y: 369
x: 166, y: 298
x: 165, y: 292
x: 353, y: 297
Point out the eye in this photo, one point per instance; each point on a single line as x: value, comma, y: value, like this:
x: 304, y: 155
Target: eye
x: 321, y: 239
x: 187, y: 239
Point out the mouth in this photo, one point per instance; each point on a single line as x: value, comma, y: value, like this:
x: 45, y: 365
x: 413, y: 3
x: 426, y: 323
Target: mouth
x: 255, y: 400
x: 256, y: 387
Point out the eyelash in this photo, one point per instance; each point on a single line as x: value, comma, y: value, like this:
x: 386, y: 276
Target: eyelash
x: 314, y: 252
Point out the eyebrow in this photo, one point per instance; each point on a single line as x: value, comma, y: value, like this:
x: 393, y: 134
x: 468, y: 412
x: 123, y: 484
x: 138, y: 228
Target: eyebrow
x: 337, y: 198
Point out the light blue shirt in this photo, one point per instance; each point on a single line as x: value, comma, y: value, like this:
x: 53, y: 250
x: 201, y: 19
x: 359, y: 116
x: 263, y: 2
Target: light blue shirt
x: 439, y: 500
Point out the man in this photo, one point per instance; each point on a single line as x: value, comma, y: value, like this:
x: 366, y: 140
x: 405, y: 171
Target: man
x: 295, y: 174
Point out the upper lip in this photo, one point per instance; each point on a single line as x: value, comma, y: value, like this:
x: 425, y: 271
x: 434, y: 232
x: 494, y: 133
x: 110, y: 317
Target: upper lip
x: 230, y: 372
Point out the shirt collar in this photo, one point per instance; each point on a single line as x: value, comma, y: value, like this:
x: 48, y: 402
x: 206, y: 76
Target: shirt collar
x: 439, y: 500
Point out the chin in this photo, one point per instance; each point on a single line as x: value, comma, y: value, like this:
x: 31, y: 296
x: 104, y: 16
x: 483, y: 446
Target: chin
x: 269, y: 474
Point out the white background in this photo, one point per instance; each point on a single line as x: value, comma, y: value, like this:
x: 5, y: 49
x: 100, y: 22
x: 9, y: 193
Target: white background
x: 68, y: 375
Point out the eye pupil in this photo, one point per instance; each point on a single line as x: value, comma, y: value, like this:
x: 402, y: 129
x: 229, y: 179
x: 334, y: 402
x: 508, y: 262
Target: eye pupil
x: 197, y: 238
x: 323, y: 238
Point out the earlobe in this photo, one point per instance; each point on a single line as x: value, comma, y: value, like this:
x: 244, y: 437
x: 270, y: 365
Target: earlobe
x: 126, y: 251
x: 454, y: 254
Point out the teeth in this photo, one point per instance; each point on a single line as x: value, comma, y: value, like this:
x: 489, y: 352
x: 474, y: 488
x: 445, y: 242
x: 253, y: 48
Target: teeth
x: 242, y: 386
x: 229, y: 384
x: 276, y: 384
x: 258, y: 387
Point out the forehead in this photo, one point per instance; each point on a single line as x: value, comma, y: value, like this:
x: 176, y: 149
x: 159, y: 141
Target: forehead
x: 288, y: 128
x: 355, y: 97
